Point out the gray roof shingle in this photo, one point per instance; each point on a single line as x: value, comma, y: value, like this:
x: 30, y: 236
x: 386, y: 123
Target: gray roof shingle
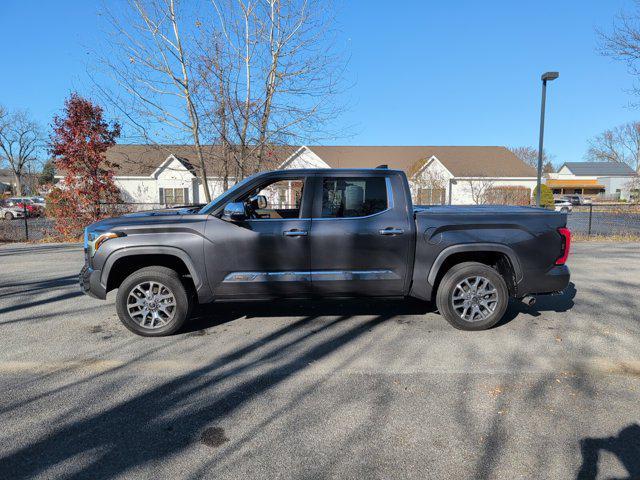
x: 599, y: 168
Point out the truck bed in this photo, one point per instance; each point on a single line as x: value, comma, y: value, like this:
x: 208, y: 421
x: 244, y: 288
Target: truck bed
x: 528, y: 235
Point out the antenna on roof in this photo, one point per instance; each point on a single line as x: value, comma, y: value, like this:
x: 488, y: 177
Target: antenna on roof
x: 383, y: 166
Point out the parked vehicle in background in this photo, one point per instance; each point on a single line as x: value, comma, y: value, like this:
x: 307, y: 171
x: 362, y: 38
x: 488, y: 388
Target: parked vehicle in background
x: 9, y: 212
x: 25, y: 203
x: 577, y: 200
x: 325, y: 233
x: 39, y: 201
x: 563, y: 206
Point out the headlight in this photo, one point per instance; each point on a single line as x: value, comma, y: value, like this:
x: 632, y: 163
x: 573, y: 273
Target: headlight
x: 96, y: 239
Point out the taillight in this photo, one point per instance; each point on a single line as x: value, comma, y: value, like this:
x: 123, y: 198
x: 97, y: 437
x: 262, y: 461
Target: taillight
x: 565, y: 233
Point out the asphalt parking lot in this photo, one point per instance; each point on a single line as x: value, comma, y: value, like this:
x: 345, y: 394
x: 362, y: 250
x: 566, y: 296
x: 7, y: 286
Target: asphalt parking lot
x: 361, y: 389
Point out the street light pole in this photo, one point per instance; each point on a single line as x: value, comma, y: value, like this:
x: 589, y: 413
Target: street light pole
x: 548, y: 76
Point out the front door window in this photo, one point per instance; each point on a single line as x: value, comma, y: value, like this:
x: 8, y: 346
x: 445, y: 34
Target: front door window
x: 284, y: 198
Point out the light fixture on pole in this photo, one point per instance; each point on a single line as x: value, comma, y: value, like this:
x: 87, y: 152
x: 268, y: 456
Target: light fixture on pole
x: 546, y: 77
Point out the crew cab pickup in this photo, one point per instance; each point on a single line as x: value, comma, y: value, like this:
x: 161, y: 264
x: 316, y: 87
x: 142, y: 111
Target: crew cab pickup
x: 324, y: 233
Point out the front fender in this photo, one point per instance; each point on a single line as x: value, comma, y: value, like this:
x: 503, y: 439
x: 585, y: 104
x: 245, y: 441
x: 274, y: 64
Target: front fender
x: 204, y: 293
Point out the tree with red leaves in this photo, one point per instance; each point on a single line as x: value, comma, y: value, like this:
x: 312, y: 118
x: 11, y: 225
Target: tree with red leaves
x: 79, y: 143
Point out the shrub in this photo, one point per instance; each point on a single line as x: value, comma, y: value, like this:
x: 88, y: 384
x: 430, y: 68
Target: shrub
x: 546, y: 196
x: 508, y: 195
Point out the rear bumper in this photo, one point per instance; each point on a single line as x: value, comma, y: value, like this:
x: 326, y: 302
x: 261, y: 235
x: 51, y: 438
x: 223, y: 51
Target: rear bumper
x: 89, y: 281
x: 553, y: 280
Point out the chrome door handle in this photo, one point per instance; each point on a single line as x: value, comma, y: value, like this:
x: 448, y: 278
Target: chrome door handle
x: 391, y: 231
x: 295, y: 233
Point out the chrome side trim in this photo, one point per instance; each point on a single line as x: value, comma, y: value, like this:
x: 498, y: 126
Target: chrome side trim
x: 255, y: 277
x: 316, y: 276
x: 341, y: 275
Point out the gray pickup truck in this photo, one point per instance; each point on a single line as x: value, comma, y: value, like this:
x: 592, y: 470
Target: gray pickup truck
x: 324, y: 233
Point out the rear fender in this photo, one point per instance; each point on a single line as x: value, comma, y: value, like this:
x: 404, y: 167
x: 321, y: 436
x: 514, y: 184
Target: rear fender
x: 423, y: 287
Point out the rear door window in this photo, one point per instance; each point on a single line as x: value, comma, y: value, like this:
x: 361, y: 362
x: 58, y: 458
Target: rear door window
x: 349, y: 197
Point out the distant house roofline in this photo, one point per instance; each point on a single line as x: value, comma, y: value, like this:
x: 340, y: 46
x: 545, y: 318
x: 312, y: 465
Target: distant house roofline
x: 601, y: 169
x: 142, y: 161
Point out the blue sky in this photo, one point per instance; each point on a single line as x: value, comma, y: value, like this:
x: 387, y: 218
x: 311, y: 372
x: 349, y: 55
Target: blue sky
x: 423, y: 72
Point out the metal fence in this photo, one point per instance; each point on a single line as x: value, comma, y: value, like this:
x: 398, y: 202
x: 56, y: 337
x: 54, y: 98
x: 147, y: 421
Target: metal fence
x: 37, y: 226
x: 605, y: 220
x: 592, y: 220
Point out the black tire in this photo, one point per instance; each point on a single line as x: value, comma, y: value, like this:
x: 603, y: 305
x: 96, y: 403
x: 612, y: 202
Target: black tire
x: 8, y: 216
x: 564, y: 210
x: 458, y: 273
x: 169, y: 279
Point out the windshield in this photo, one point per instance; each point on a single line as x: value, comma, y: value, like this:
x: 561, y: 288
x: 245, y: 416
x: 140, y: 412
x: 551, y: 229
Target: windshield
x: 209, y: 206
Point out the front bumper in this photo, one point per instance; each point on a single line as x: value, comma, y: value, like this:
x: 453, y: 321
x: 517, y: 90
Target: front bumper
x: 89, y: 281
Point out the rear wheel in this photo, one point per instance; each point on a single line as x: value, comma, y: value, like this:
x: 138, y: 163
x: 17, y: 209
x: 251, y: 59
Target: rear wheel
x: 472, y: 296
x: 153, y: 302
x: 8, y: 216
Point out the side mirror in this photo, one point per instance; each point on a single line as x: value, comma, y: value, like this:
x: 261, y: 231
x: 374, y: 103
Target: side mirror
x: 234, y: 212
x: 258, y: 202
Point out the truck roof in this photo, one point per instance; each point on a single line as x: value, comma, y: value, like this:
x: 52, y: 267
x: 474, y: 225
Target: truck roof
x: 325, y: 171
x: 479, y: 209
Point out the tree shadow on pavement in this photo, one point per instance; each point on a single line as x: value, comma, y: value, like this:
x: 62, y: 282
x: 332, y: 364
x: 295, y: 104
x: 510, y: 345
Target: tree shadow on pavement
x: 215, y: 314
x: 159, y: 422
x: 561, y: 302
x: 625, y: 446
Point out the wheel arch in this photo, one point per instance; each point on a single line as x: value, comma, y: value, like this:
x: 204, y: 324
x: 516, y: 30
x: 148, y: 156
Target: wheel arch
x: 496, y: 254
x: 123, y: 262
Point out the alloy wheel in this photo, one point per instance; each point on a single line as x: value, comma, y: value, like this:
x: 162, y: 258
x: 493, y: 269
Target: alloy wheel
x: 474, y: 299
x: 151, y: 304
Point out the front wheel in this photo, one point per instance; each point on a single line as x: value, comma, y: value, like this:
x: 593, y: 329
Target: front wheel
x: 153, y: 302
x: 472, y: 296
x: 8, y: 216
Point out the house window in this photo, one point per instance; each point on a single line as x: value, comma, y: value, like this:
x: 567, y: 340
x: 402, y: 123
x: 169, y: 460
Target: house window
x: 174, y: 196
x: 431, y: 196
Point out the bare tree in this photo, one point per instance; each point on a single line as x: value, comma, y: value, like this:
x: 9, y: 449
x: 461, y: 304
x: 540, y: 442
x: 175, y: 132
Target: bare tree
x: 478, y: 188
x: 620, y: 144
x: 20, y: 139
x: 244, y: 75
x: 634, y: 189
x: 274, y: 71
x: 150, y: 62
x: 622, y: 43
x: 529, y: 155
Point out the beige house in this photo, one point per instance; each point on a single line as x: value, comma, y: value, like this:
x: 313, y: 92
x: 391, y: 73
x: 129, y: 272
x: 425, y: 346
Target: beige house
x: 598, y: 180
x: 167, y: 174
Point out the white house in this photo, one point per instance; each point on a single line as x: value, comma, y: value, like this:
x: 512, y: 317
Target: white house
x: 606, y: 180
x: 437, y: 175
x: 167, y: 174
